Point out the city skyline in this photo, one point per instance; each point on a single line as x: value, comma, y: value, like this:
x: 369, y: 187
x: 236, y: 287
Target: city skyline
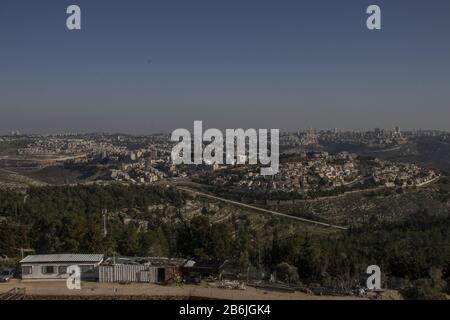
x: 395, y: 129
x: 155, y: 67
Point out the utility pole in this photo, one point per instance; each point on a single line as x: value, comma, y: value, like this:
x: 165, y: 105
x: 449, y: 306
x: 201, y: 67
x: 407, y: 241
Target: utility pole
x: 22, y: 251
x: 105, y: 231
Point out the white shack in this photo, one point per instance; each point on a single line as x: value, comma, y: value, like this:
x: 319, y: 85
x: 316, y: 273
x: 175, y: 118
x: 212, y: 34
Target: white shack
x: 54, y: 266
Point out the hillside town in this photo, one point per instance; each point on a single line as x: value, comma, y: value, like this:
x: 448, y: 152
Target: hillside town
x: 321, y: 171
x: 401, y: 175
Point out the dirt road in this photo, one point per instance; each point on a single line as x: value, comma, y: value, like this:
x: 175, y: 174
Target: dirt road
x: 91, y: 290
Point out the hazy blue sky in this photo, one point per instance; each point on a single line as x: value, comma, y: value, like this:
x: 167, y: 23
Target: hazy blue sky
x: 149, y: 66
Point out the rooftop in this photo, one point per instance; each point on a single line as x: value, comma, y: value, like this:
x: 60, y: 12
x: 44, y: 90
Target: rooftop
x: 63, y: 258
x: 149, y: 261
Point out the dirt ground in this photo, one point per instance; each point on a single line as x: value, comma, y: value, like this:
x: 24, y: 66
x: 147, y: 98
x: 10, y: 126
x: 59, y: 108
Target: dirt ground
x: 152, y: 291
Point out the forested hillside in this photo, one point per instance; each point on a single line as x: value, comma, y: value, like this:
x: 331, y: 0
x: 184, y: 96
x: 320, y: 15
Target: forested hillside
x: 69, y: 219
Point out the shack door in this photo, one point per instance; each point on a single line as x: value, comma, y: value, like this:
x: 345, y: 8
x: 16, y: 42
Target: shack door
x: 161, y: 275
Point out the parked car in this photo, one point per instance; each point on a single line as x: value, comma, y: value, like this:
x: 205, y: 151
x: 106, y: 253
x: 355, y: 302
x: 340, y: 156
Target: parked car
x: 6, y: 275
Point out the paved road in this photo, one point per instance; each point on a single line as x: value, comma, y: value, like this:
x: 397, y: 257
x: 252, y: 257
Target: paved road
x: 317, y: 223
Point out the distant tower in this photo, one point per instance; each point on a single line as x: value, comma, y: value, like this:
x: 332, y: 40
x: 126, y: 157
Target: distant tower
x: 15, y: 133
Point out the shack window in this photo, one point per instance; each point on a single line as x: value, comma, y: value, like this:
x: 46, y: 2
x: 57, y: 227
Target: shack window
x: 27, y: 270
x: 62, y: 269
x: 87, y: 269
x: 48, y: 270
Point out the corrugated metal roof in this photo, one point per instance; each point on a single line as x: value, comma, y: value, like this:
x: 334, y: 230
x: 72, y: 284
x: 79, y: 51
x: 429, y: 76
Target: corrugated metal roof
x: 148, y: 261
x: 63, y: 258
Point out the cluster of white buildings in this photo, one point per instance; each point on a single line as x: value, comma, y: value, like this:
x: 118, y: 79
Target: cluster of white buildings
x: 311, y: 172
x: 141, y: 171
x: 68, y: 146
x: 300, y: 139
x: 392, y: 174
x: 320, y: 171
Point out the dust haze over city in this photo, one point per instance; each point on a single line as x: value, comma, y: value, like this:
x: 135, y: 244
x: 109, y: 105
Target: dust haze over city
x: 327, y: 178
